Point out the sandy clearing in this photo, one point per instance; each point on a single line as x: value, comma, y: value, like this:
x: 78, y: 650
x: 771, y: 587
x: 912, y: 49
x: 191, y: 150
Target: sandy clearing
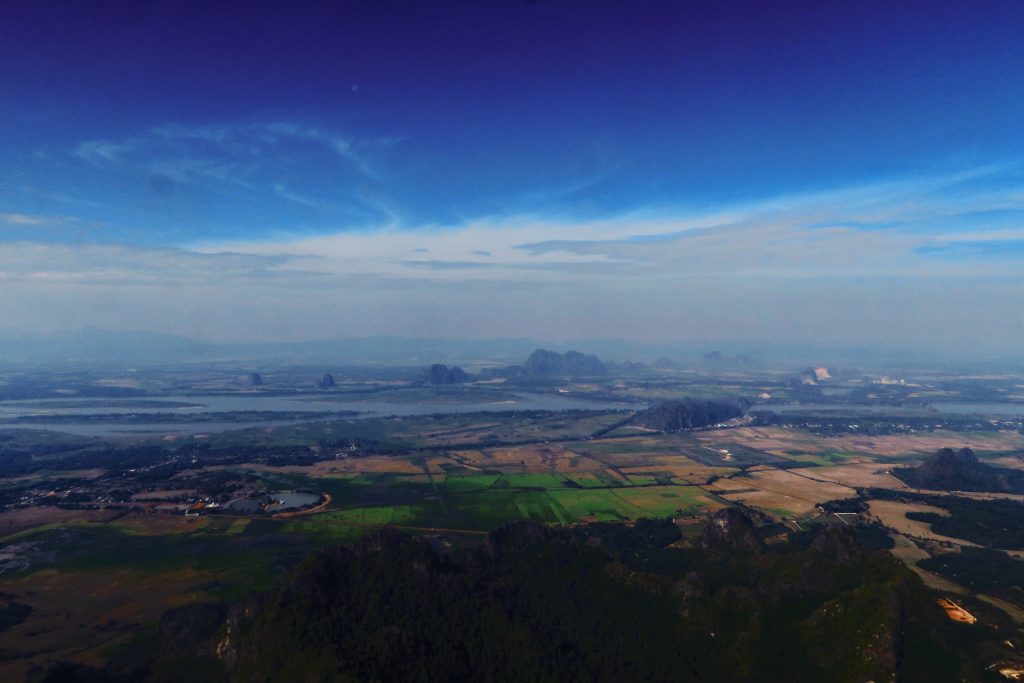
x: 1014, y: 612
x: 892, y: 514
x: 907, y: 552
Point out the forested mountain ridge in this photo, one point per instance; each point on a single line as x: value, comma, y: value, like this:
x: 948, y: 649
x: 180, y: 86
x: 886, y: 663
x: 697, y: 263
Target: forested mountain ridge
x: 601, y: 602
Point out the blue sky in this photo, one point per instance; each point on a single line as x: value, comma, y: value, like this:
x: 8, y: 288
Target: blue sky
x: 555, y: 169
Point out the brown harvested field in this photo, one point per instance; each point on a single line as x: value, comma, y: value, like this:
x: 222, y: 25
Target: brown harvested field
x: 774, y: 440
x: 164, y: 495
x: 469, y: 458
x: 579, y: 463
x: 907, y: 552
x: 781, y: 440
x: 771, y: 502
x: 160, y: 525
x: 680, y: 467
x: 726, y: 486
x: 534, y: 458
x: 1014, y: 612
x: 442, y: 437
x: 893, y: 515
x: 72, y: 612
x: 622, y: 460
x: 93, y: 473
x: 345, y: 467
x: 433, y: 465
x: 421, y: 478
x: 900, y: 444
x: 645, y: 445
x: 780, y: 492
x: 977, y: 495
x: 794, y: 483
x: 537, y: 458
x: 543, y: 458
x: 1012, y: 461
x: 653, y: 498
x: 381, y: 464
x: 14, y: 521
x: 864, y: 474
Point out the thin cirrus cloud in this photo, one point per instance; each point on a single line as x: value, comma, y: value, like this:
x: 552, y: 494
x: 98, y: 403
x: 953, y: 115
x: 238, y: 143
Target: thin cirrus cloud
x: 881, y: 230
x: 925, y: 226
x: 249, y: 176
x: 835, y: 234
x: 32, y: 221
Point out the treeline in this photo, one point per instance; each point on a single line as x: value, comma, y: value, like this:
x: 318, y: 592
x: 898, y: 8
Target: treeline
x: 996, y: 523
x: 868, y: 425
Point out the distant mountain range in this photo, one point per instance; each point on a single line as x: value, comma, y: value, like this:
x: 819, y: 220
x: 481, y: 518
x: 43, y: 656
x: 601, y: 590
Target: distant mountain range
x: 93, y: 346
x: 135, y: 348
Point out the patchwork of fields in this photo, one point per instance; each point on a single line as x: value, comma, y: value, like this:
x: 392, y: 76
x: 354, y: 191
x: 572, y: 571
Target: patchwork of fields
x: 784, y: 473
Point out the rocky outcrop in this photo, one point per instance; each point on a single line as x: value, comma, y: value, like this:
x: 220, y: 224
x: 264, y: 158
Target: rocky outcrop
x: 544, y: 363
x: 442, y: 374
x: 950, y: 470
x: 838, y: 544
x: 685, y: 414
x: 625, y: 366
x: 730, y: 529
x: 327, y: 381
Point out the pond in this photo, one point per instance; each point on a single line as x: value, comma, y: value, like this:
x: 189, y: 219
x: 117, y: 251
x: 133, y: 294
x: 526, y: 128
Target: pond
x: 291, y: 500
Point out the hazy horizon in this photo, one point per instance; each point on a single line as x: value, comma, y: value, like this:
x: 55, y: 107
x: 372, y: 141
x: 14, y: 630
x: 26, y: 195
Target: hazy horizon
x: 92, y: 348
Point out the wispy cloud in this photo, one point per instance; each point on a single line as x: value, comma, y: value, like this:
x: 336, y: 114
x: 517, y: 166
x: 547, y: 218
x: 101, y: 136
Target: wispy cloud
x: 851, y: 256
x: 882, y: 229
x: 283, y: 191
x: 258, y: 161
x: 123, y: 265
x: 30, y: 221
x: 446, y: 265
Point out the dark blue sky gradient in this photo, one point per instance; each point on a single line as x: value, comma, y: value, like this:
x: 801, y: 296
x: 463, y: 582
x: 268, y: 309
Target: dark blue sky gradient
x: 573, y: 109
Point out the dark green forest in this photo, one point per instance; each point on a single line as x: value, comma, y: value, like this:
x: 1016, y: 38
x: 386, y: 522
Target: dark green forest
x: 596, y: 603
